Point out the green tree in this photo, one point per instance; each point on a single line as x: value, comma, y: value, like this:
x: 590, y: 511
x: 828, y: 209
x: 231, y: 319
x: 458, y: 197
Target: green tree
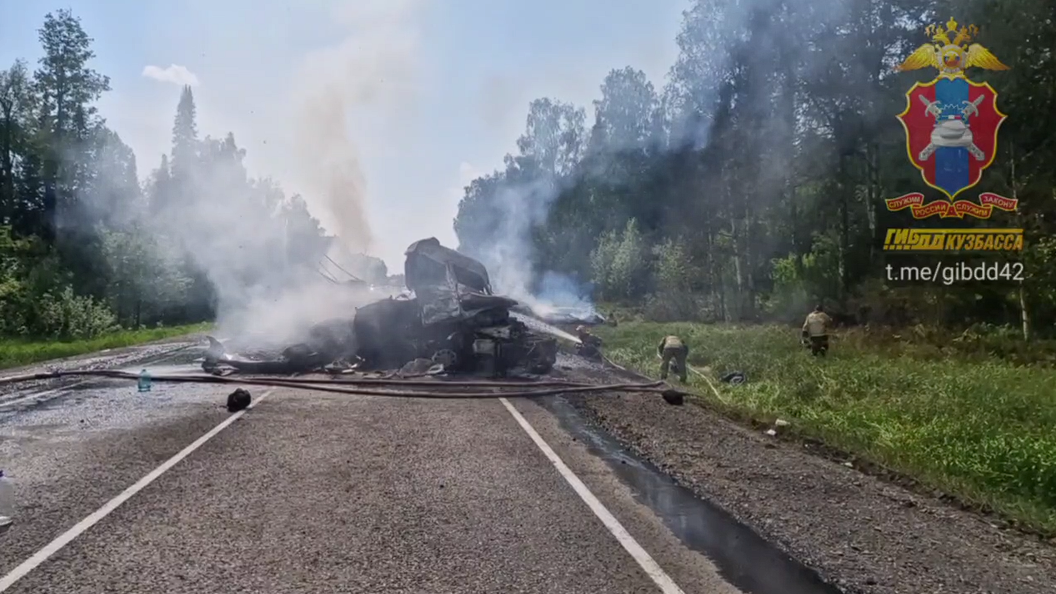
x: 185, y: 143
x: 769, y: 153
x: 67, y: 87
x: 17, y: 102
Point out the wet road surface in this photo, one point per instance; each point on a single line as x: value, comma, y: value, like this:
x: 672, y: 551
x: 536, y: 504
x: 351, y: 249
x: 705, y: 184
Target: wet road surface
x: 316, y: 492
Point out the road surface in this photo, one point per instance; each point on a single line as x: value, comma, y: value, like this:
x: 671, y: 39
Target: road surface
x: 310, y: 492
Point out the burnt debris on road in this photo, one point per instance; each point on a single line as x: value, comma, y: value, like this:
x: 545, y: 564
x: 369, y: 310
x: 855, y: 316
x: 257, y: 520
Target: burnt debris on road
x: 447, y: 319
x: 447, y: 327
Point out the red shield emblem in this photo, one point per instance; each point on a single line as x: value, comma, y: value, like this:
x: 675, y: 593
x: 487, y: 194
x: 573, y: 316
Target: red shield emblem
x: 951, y: 131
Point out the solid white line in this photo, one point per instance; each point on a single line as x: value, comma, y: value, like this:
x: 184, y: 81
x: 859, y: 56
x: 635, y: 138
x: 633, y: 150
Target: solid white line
x: 65, y: 538
x: 667, y: 585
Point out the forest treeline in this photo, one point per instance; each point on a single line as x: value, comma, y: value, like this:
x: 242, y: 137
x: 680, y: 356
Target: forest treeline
x: 748, y: 186
x: 85, y: 247
x: 751, y: 184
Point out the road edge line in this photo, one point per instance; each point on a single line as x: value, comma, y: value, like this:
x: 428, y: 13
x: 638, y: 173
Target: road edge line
x: 92, y: 519
x: 647, y: 563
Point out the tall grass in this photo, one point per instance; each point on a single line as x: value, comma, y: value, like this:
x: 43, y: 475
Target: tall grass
x: 975, y: 427
x: 23, y: 352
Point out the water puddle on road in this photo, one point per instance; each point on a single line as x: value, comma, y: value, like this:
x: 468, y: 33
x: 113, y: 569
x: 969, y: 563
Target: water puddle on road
x: 744, y: 558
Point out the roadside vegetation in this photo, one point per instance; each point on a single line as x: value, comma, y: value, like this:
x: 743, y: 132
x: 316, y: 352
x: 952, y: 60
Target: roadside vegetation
x: 750, y: 186
x: 14, y: 353
x: 97, y: 251
x: 959, y: 413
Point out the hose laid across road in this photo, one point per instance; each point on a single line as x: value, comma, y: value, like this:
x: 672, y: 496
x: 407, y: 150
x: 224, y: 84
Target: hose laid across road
x: 348, y: 386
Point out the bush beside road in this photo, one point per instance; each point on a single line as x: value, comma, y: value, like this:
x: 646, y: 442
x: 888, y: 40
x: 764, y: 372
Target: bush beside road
x: 14, y: 353
x: 971, y: 425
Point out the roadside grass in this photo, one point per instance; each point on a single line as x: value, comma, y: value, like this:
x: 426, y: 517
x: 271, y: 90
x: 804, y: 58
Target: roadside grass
x: 14, y: 353
x: 977, y: 428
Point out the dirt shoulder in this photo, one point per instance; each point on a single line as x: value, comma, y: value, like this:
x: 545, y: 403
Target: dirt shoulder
x: 860, y: 533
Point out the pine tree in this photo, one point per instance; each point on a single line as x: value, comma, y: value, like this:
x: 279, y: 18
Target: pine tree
x: 67, y: 88
x: 184, y: 138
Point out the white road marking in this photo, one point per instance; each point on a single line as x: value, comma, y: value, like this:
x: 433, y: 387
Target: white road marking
x: 66, y: 537
x: 650, y: 566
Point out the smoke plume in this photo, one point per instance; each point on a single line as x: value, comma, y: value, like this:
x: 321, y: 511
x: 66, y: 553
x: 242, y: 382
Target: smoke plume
x: 255, y: 243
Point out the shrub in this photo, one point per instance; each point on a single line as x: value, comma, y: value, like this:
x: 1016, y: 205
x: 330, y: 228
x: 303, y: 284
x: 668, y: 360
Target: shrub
x: 65, y: 315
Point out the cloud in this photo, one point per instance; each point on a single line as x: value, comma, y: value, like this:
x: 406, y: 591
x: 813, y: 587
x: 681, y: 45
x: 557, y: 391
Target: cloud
x: 175, y: 74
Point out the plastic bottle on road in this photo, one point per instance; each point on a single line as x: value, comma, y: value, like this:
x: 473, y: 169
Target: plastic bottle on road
x: 7, y: 501
x: 144, y: 381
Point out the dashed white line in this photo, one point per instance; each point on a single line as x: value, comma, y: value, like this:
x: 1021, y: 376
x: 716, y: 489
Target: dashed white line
x: 65, y: 538
x: 648, y: 564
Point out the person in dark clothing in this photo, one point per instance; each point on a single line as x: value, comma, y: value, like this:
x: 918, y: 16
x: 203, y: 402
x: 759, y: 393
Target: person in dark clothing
x: 589, y: 345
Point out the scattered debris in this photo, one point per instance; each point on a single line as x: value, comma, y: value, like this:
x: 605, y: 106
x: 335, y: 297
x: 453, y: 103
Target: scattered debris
x: 238, y: 400
x: 781, y: 423
x: 771, y: 432
x: 734, y: 378
x: 416, y: 367
x: 674, y: 397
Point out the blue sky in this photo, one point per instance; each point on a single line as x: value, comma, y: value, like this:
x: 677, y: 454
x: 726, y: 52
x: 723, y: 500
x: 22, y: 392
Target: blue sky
x: 436, y: 90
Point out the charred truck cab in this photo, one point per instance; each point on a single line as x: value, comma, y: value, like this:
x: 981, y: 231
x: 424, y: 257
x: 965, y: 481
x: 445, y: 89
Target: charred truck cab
x: 450, y: 316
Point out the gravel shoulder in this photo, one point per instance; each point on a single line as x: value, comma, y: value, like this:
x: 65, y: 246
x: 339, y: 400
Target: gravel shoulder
x: 860, y: 533
x: 106, y: 359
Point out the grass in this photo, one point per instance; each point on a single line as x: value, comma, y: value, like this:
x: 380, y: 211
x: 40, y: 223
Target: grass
x: 14, y: 353
x: 977, y: 428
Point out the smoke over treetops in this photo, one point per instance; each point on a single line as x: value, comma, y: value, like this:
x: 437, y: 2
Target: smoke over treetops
x: 224, y: 237
x: 263, y: 254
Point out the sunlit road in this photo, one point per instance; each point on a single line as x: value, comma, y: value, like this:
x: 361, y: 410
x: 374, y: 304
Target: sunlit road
x: 313, y: 492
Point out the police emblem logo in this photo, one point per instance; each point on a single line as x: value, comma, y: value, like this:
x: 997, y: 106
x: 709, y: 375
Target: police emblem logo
x: 951, y: 124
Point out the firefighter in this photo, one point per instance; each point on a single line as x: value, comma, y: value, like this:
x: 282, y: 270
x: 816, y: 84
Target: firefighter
x: 673, y: 350
x: 816, y: 331
x: 590, y: 345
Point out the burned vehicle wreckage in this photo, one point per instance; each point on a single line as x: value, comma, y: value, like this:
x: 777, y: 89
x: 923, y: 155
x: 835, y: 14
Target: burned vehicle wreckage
x: 449, y: 317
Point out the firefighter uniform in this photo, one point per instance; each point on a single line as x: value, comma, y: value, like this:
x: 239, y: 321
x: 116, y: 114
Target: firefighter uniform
x: 816, y: 330
x: 590, y: 345
x: 672, y: 349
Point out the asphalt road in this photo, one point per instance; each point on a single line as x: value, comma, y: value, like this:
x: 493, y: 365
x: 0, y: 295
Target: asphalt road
x: 314, y: 492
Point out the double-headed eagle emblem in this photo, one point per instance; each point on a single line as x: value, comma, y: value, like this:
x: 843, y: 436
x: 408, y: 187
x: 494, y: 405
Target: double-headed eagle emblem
x: 951, y: 56
x: 951, y: 122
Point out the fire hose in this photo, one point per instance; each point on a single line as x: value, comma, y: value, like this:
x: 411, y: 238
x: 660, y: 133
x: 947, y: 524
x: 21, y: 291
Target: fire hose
x: 349, y: 386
